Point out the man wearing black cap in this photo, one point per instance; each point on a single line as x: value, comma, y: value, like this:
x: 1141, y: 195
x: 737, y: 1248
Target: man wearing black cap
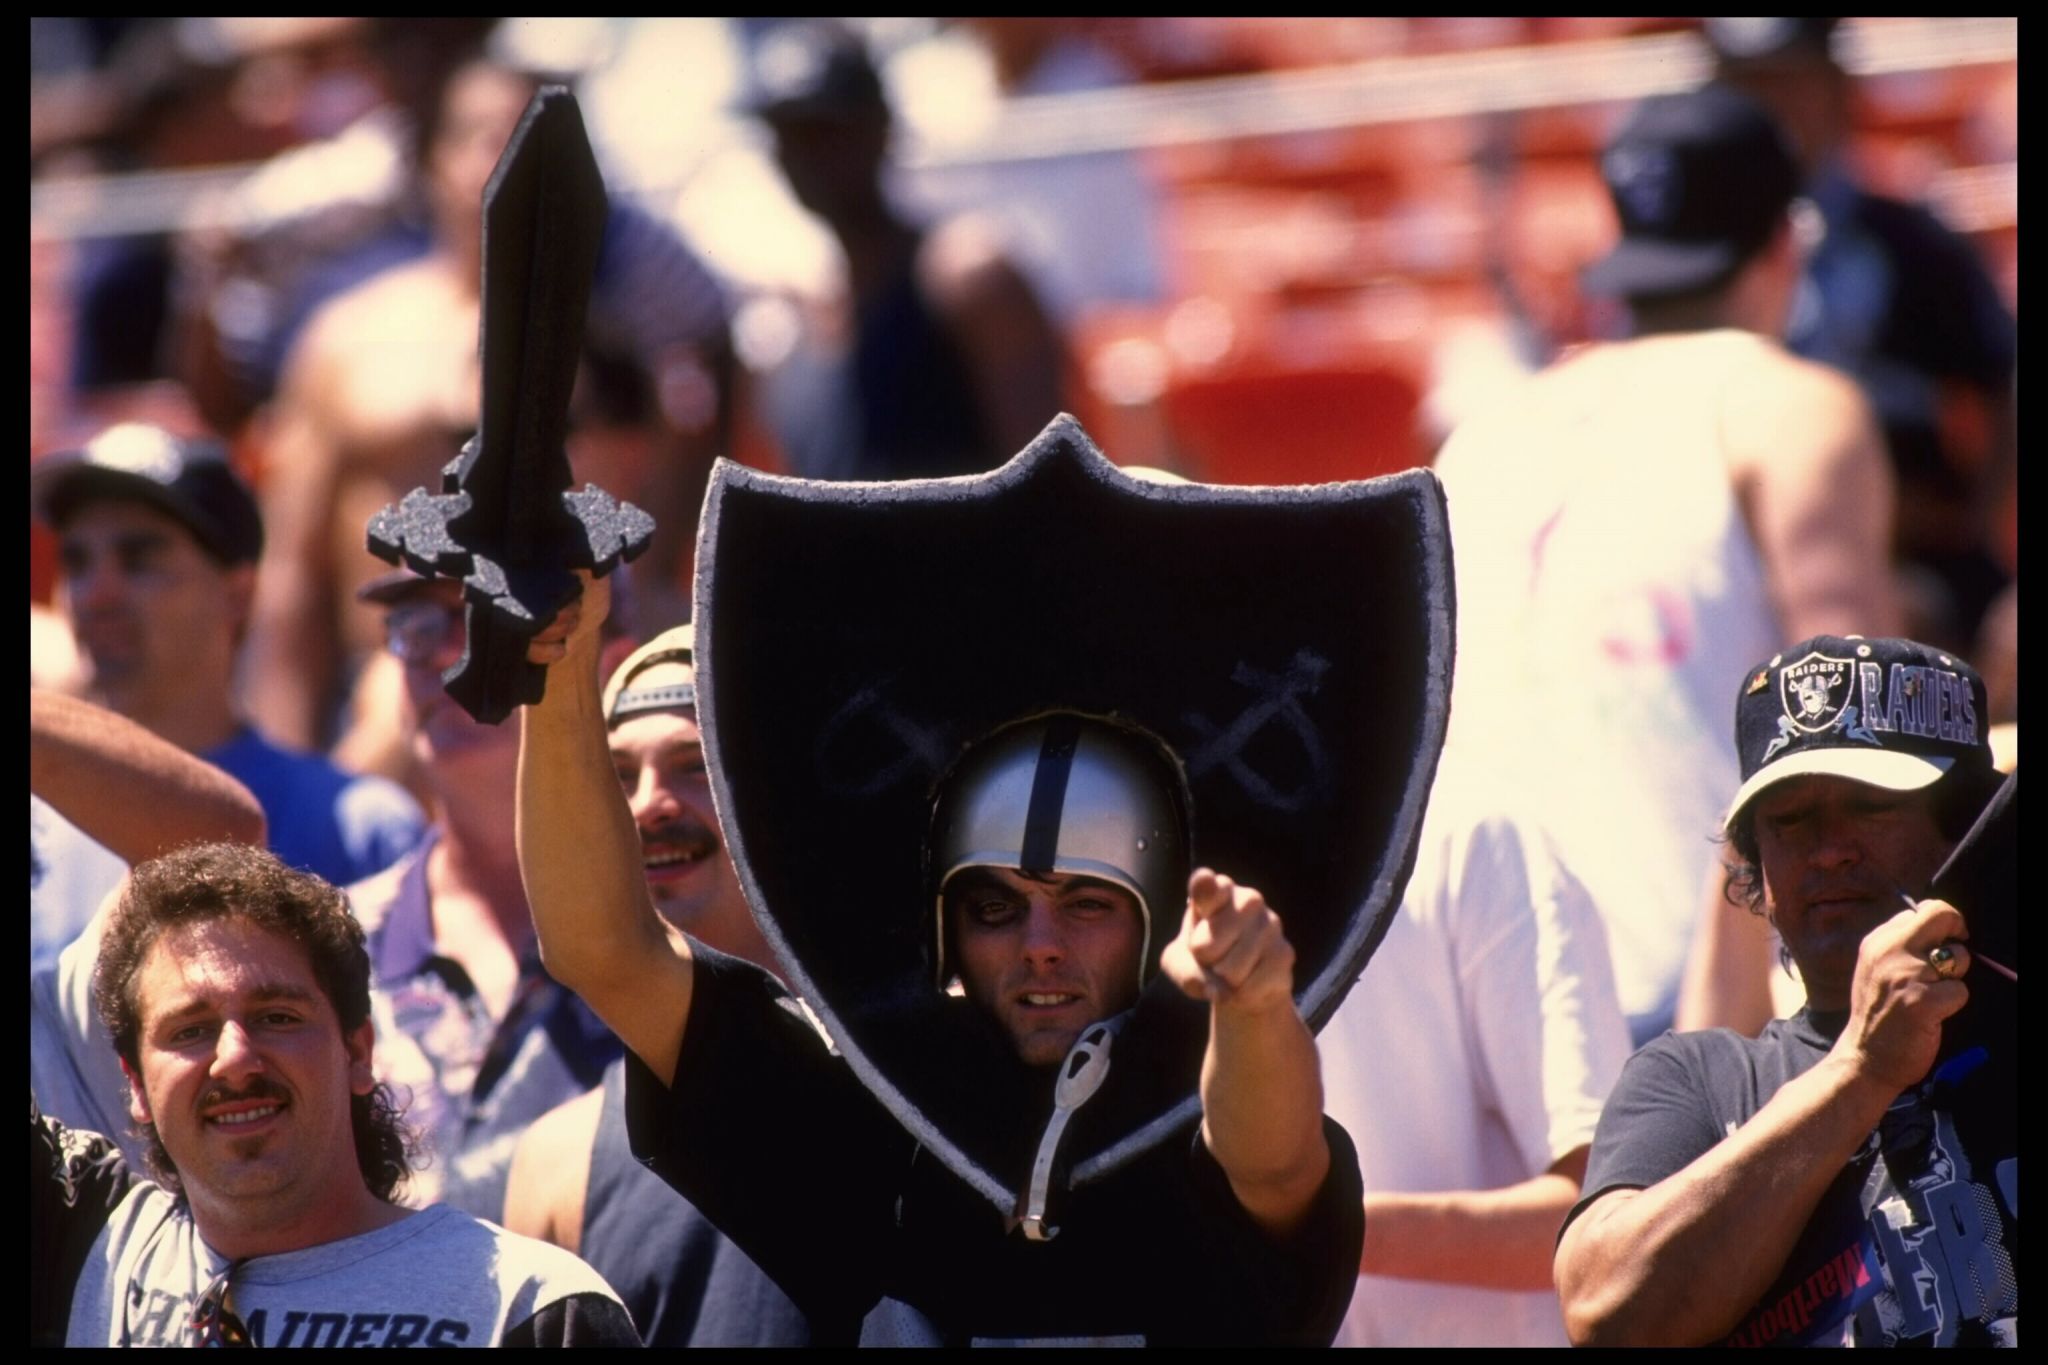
x: 1901, y: 302
x: 381, y: 389
x: 1646, y: 509
x: 1843, y: 1178
x: 951, y: 362
x: 159, y: 543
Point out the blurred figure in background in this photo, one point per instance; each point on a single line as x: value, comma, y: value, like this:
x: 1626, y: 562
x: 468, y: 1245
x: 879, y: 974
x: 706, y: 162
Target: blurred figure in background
x: 574, y: 1180
x: 1084, y: 226
x: 1903, y: 304
x: 318, y: 219
x: 1644, y: 510
x: 451, y: 941
x: 382, y: 390
x: 941, y: 360
x: 159, y: 543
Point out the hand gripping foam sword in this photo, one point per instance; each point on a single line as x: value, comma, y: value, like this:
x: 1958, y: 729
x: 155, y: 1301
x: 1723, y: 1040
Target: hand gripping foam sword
x: 506, y: 521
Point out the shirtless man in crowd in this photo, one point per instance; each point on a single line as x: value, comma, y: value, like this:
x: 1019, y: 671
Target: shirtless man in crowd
x: 382, y: 391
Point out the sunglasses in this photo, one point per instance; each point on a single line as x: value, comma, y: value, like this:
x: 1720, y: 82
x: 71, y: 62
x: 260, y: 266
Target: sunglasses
x: 214, y: 1320
x: 419, y: 633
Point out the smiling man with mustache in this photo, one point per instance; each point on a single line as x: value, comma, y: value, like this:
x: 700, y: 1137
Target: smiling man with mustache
x: 574, y: 1181
x: 650, y: 709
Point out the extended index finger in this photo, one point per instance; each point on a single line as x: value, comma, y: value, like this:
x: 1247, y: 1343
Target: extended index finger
x: 1208, y: 892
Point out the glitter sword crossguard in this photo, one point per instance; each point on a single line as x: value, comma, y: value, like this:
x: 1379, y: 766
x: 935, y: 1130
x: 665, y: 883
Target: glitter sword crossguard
x: 506, y: 521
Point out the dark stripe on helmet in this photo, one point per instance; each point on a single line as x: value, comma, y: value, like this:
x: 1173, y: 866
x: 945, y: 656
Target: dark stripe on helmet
x: 1049, y: 796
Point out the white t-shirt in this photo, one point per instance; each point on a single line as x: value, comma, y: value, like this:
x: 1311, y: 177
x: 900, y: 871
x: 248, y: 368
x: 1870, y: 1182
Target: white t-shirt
x: 71, y: 874
x: 1610, y: 596
x: 1475, y: 1051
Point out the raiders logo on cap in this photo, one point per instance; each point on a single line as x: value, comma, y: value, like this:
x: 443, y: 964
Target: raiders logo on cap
x: 1890, y: 713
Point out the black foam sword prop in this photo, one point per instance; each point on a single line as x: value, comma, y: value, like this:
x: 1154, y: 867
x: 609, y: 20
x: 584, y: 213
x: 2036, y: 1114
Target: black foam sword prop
x: 506, y: 521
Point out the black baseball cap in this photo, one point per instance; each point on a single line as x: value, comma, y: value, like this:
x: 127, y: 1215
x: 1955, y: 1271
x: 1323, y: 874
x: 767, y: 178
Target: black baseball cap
x: 813, y: 69
x: 1700, y: 181
x: 188, y: 478
x: 1890, y: 713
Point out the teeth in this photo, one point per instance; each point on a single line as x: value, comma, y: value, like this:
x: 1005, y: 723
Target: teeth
x: 673, y: 859
x: 247, y: 1116
x: 1031, y: 999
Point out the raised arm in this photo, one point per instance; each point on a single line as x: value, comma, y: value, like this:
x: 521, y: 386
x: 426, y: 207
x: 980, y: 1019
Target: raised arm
x: 1262, y: 1089
x: 1628, y: 1268
x: 135, y: 793
x: 579, y: 853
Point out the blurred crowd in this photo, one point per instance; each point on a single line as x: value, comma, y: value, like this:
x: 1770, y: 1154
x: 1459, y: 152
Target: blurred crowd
x: 1700, y: 380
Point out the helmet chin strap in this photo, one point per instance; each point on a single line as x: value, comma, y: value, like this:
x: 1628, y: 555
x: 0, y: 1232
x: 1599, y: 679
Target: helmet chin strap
x: 1081, y: 1074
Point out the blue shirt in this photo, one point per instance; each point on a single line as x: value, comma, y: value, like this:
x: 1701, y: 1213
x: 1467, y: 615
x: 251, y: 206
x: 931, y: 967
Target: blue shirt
x: 338, y: 825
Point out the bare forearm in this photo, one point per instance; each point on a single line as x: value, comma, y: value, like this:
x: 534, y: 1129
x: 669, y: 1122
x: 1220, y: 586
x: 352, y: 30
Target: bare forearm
x: 1490, y: 1239
x: 1628, y: 1269
x: 1262, y: 1111
x: 579, y: 851
x: 137, y: 794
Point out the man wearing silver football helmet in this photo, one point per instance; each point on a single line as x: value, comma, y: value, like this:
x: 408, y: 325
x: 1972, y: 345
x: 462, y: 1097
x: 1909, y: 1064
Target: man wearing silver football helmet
x: 1057, y: 846
x: 1053, y: 842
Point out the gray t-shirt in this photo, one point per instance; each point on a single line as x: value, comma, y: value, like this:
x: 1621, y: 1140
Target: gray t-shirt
x: 117, y: 1261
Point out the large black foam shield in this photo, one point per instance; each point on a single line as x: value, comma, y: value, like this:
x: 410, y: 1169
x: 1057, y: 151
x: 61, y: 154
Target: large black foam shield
x: 1292, y: 644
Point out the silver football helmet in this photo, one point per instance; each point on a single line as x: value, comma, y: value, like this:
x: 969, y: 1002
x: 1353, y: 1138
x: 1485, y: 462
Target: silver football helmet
x: 1073, y: 795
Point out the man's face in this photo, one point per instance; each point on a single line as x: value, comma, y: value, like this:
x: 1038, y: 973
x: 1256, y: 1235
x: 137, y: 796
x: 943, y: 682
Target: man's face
x: 244, y: 1069
x: 479, y: 110
x: 659, y: 757
x: 1048, y: 957
x: 1834, y: 855
x: 151, y: 610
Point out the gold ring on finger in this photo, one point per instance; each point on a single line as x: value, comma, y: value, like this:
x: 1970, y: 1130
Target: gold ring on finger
x: 1944, y: 961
